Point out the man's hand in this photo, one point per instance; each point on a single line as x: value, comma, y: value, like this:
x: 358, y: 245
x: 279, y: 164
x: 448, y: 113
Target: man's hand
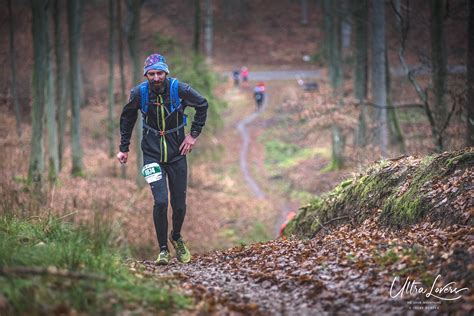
x: 187, y: 145
x: 122, y: 157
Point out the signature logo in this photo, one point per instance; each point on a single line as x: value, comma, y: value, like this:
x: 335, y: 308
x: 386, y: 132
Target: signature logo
x: 447, y: 292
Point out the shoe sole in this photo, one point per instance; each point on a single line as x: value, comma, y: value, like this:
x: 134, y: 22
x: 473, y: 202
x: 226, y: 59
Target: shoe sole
x: 189, y: 260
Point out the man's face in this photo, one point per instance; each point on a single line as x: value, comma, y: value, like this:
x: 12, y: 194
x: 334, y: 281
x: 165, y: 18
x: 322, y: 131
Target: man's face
x: 156, y: 77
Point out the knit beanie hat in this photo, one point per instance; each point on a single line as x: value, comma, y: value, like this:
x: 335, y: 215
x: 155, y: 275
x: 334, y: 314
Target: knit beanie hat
x: 155, y: 62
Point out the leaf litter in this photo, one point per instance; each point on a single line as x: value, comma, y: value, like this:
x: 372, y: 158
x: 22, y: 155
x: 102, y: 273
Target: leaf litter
x: 347, y: 270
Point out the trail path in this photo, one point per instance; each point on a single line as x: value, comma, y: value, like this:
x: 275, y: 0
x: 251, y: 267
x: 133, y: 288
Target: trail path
x: 242, y: 126
x: 269, y: 75
x: 243, y: 129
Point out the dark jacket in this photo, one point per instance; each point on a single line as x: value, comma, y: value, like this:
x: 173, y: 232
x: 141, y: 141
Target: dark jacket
x: 162, y: 148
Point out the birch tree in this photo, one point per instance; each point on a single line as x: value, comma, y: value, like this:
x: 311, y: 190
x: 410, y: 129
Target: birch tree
x: 361, y: 33
x: 74, y: 14
x: 332, y: 27
x: 304, y: 12
x: 61, y: 78
x: 134, y: 7
x: 470, y: 77
x: 11, y: 42
x: 379, y: 88
x: 51, y: 110
x: 209, y: 31
x: 111, y: 56
x: 197, y: 26
x: 395, y: 132
x: 439, y: 65
x: 120, y: 52
x: 38, y: 26
x: 123, y: 167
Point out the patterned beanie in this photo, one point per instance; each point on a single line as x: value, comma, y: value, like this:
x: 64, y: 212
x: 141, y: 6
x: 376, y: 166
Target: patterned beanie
x: 155, y: 62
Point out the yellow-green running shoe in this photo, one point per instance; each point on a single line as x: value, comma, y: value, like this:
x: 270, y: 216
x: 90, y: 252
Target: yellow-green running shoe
x: 182, y: 252
x: 164, y: 257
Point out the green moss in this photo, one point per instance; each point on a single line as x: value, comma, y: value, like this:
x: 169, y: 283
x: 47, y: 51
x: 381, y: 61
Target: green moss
x: 398, y: 187
x: 464, y: 157
x: 403, y: 210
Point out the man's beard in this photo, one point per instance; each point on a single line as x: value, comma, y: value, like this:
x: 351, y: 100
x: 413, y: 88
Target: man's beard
x: 157, y: 85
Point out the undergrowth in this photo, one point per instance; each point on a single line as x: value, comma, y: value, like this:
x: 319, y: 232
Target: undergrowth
x: 48, y: 267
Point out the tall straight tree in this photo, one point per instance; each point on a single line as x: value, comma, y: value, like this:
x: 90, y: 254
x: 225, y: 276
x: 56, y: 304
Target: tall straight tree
x: 111, y: 56
x: 439, y: 65
x: 470, y: 77
x: 39, y: 28
x: 61, y: 79
x: 209, y: 30
x: 332, y: 28
x: 197, y: 26
x: 16, y: 104
x: 379, y: 85
x: 360, y: 18
x: 395, y: 132
x: 120, y: 52
x: 304, y: 12
x: 134, y: 8
x: 119, y: 21
x: 74, y: 15
x: 51, y: 110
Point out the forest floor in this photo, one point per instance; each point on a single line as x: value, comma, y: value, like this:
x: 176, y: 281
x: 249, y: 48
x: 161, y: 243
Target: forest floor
x: 345, y: 269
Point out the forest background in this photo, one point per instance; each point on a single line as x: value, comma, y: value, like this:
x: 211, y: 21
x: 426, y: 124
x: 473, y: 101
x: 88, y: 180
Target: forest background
x: 396, y: 79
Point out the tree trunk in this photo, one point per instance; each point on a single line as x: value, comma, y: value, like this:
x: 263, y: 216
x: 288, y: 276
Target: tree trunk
x: 438, y: 60
x: 111, y: 58
x: 346, y: 25
x: 395, y: 132
x: 470, y: 77
x: 134, y: 7
x: 120, y: 50
x: 39, y: 24
x: 123, y: 167
x: 16, y: 104
x: 333, y: 43
x: 209, y: 31
x: 61, y: 80
x: 51, y: 111
x: 379, y: 88
x: 74, y: 13
x: 360, y: 17
x: 197, y: 26
x: 304, y: 12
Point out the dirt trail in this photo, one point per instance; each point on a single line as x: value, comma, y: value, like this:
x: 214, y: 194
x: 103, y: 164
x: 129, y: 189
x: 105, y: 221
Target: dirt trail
x: 243, y: 130
x: 242, y: 127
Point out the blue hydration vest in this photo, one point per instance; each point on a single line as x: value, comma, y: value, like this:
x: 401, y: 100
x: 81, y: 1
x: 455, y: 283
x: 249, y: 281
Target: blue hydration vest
x: 174, y: 99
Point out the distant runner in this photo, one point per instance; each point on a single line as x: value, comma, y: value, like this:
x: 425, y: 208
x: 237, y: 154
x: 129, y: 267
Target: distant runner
x: 259, y: 95
x: 236, y: 77
x: 244, y: 72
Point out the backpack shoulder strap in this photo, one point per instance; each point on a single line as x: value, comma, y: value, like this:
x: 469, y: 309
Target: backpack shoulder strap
x: 144, y: 97
x: 174, y: 95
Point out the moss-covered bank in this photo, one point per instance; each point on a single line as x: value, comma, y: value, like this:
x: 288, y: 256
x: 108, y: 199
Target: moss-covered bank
x: 399, y: 191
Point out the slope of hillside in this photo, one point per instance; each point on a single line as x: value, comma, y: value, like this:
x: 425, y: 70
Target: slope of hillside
x: 397, y: 192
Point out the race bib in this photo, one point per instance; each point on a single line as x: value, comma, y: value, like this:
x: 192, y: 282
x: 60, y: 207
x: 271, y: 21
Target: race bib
x: 152, y: 172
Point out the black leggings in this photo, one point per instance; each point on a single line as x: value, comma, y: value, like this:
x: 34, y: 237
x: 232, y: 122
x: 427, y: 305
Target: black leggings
x: 177, y: 175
